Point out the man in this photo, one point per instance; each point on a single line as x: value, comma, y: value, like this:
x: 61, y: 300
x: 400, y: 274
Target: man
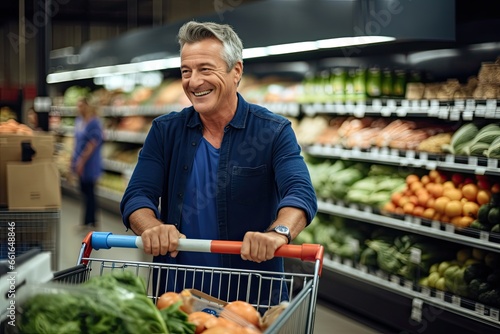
x: 223, y: 168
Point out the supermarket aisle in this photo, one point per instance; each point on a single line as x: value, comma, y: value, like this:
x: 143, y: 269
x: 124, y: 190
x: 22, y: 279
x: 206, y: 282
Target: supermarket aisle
x: 327, y: 321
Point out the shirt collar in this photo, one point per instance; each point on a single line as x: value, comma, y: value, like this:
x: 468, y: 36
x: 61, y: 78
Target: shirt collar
x: 239, y: 118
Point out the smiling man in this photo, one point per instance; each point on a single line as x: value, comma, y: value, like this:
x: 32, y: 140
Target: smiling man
x: 224, y: 169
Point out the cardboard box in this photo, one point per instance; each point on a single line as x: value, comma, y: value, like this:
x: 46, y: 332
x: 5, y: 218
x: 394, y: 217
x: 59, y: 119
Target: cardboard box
x: 10, y: 150
x: 33, y: 185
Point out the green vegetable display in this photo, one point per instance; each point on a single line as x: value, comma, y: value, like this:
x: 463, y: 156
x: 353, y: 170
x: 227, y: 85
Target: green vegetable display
x: 114, y: 303
x: 177, y: 320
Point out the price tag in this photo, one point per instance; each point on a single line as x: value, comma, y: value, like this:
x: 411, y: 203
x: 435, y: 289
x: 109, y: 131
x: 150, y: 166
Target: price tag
x: 354, y: 245
x: 339, y: 108
x: 415, y: 255
x: 443, y: 112
x: 433, y: 112
x: 384, y: 151
x: 431, y: 165
x: 381, y: 274
x: 410, y: 154
x: 491, y: 106
x: 340, y: 203
x: 473, y: 161
x: 417, y: 220
x: 454, y: 114
x: 494, y: 314
x: 483, y: 235
x: 426, y: 291
x: 336, y: 258
x: 480, y: 170
x: 391, y: 104
x: 408, y: 284
x: 294, y: 109
x: 356, y: 152
x: 470, y: 104
x: 405, y: 103
x: 408, y: 219
x: 434, y: 104
x: 349, y: 106
x: 414, y: 105
x: 468, y: 115
x: 450, y: 228
x: 440, y: 294
x: 423, y: 156
x: 376, y: 105
x: 424, y: 104
x: 394, y: 152
x: 348, y: 262
x: 395, y: 279
x: 460, y: 104
x: 374, y: 151
x: 479, y: 309
x: 363, y: 268
x: 436, y: 224
x: 330, y: 108
x: 404, y: 162
x: 480, y: 110
x: 353, y: 206
x: 450, y: 159
x: 455, y: 300
x: 368, y: 209
x: 416, y: 315
x: 309, y: 110
x: 492, y: 163
x: 385, y: 112
x: 360, y: 110
x: 402, y: 111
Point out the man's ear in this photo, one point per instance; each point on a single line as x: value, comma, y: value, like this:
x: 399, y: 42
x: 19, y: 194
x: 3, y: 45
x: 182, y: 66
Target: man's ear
x: 238, y: 72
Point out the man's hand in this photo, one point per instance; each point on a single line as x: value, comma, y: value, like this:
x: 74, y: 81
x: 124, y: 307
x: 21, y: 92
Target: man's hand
x: 161, y: 239
x: 260, y: 247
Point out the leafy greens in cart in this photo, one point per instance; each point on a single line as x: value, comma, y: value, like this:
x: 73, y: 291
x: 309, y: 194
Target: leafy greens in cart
x: 113, y: 303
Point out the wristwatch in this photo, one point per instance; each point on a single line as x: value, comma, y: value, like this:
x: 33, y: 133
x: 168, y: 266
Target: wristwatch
x: 283, y: 230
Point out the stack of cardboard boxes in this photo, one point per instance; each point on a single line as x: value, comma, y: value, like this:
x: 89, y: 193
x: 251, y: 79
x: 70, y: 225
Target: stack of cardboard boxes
x: 29, y: 178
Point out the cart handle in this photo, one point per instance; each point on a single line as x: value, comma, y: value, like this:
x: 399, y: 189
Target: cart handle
x: 106, y: 240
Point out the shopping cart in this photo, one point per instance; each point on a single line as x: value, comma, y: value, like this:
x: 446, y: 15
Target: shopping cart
x: 298, y: 316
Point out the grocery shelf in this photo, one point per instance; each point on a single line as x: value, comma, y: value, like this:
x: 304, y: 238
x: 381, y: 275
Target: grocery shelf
x: 409, y: 158
x: 450, y: 110
x: 419, y: 295
x: 434, y: 229
x: 117, y: 166
x: 125, y: 136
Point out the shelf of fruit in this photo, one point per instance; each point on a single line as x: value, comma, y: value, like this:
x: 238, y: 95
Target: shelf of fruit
x: 452, y: 276
x: 417, y: 292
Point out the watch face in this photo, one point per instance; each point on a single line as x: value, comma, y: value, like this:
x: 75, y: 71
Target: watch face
x: 281, y: 229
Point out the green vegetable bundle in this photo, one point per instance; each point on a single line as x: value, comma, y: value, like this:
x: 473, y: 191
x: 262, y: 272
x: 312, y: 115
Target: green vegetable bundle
x: 114, y: 303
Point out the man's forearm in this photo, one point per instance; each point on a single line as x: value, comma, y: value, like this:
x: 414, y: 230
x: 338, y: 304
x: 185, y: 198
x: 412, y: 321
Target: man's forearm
x: 142, y: 219
x: 295, y: 219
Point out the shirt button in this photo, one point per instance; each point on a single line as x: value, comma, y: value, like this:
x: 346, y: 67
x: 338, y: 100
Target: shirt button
x: 185, y: 167
x: 193, y: 143
x: 180, y: 195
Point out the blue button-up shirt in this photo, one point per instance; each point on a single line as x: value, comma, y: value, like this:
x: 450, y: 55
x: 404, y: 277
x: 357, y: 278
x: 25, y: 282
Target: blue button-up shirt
x: 260, y: 171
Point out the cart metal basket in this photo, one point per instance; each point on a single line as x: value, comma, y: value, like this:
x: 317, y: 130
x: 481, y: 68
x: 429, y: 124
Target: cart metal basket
x: 298, y: 317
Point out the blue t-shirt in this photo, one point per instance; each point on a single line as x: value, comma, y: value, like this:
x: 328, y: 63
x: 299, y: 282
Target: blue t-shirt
x: 199, y: 212
x: 84, y: 133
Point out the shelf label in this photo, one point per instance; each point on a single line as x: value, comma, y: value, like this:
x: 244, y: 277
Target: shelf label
x: 455, y: 300
x: 443, y: 113
x: 436, y: 224
x: 473, y: 161
x: 479, y: 308
x: 424, y: 104
x: 348, y: 262
x: 368, y: 209
x: 376, y: 105
x: 480, y: 171
x: 480, y: 110
x: 454, y: 114
x: 363, y: 268
x: 382, y: 275
x: 468, y: 115
x: 384, y: 151
x: 417, y: 220
x: 440, y: 294
x: 423, y: 156
x: 470, y: 104
x: 494, y: 314
x: 415, y: 255
x: 360, y: 110
x: 450, y: 158
x: 491, y: 106
x: 385, y: 112
x: 402, y: 111
x: 416, y: 314
x: 395, y: 279
x: 426, y: 291
x: 483, y: 235
x: 410, y: 154
x: 450, y: 228
x: 492, y: 163
x: 395, y: 152
x: 408, y: 284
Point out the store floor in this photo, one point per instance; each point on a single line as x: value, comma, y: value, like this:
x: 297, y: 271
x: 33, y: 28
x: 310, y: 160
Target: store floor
x: 327, y: 321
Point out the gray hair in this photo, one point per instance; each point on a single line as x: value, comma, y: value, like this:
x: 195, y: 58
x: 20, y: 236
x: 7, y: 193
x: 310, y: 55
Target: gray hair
x: 194, y: 31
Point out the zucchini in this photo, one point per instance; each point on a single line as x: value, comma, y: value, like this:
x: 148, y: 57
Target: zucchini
x: 464, y: 134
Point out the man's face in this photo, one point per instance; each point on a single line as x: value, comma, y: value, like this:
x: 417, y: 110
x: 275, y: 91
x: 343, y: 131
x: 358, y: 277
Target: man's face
x: 205, y: 79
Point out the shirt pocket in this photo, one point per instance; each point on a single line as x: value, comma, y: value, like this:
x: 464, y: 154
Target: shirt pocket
x: 250, y: 185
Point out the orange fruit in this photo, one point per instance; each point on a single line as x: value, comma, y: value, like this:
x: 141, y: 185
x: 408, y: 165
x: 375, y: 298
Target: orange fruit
x: 470, y: 191
x: 425, y: 179
x: 418, y: 211
x: 453, y: 194
x: 444, y: 219
x: 495, y: 188
x: 429, y: 213
x: 440, y: 204
x: 466, y: 221
x: 470, y: 209
x: 453, y: 208
x: 423, y: 198
x: 456, y: 220
x: 408, y: 208
x: 437, y: 190
x: 483, y: 197
x: 434, y: 175
x: 395, y: 197
x: 389, y: 207
x: 448, y: 184
x: 429, y: 185
x: 412, y: 178
x: 415, y: 186
x: 437, y: 216
x: 430, y: 202
x: 403, y: 200
x: 414, y: 199
x: 399, y: 210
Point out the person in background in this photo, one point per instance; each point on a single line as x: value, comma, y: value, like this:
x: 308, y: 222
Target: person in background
x: 86, y: 160
x: 223, y: 168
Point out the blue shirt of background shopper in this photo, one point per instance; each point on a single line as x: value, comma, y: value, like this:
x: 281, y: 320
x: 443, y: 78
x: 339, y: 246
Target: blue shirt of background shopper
x: 223, y: 168
x: 86, y: 160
